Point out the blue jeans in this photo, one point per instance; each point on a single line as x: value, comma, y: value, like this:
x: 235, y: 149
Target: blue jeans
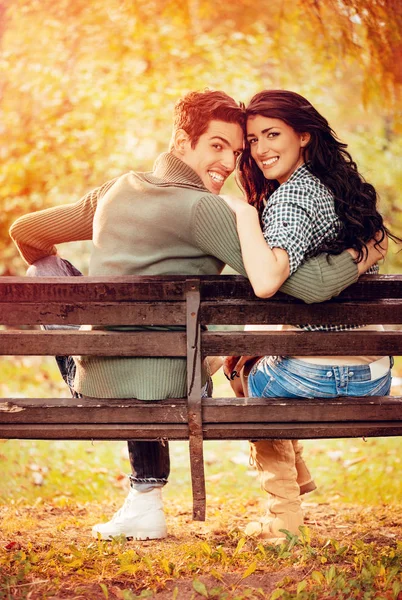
x: 276, y: 376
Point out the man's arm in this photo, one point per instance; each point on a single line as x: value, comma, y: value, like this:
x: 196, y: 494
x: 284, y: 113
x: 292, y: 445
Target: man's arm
x: 335, y: 273
x: 36, y: 234
x: 318, y: 279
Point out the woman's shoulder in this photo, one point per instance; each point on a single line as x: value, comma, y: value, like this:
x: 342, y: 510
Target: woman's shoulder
x: 301, y: 188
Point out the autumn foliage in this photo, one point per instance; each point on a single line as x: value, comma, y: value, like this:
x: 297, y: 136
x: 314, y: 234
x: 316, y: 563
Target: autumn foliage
x: 88, y: 86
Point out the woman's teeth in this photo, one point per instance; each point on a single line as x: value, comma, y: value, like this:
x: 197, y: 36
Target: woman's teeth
x: 270, y: 161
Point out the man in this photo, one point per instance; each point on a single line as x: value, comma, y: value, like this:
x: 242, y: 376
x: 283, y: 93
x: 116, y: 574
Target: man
x: 168, y: 221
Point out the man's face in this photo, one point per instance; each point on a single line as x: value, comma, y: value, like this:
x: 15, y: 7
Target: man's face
x: 214, y: 156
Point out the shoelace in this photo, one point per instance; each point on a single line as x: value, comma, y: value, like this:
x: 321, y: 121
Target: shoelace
x: 126, y: 505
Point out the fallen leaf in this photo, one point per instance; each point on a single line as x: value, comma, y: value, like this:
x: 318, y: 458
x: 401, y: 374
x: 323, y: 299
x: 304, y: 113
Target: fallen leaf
x: 13, y: 546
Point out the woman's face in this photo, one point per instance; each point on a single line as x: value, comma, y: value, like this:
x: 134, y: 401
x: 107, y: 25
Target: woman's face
x: 275, y: 146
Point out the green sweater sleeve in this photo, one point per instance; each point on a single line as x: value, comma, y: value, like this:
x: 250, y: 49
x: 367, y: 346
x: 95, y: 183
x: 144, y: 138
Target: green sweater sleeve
x: 37, y: 234
x: 317, y: 280
x: 322, y: 277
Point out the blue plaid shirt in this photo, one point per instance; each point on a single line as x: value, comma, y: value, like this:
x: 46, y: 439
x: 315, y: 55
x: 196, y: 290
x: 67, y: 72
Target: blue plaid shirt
x: 299, y: 216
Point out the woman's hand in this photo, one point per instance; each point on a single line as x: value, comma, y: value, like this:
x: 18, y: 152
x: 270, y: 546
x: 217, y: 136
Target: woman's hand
x: 229, y: 366
x: 232, y: 365
x: 236, y: 203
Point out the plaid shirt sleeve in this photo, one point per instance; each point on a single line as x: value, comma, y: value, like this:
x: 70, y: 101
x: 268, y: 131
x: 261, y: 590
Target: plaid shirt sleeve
x: 288, y: 222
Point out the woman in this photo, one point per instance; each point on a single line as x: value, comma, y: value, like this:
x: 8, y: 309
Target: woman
x: 305, y: 192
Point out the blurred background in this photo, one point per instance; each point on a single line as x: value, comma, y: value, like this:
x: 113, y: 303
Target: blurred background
x: 88, y: 87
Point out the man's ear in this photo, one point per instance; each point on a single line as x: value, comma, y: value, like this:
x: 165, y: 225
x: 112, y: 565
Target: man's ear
x: 304, y: 139
x: 181, y: 141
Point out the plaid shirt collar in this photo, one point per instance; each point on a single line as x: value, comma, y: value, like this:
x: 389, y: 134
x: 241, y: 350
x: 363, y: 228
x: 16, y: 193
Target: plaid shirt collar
x: 299, y: 173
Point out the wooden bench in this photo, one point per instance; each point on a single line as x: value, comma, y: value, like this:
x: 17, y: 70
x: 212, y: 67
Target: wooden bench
x: 194, y: 302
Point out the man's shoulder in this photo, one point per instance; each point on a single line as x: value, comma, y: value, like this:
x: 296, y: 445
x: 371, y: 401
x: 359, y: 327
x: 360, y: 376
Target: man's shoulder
x: 212, y: 202
x: 212, y: 209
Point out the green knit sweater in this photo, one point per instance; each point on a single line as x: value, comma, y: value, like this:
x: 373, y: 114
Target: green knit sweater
x: 164, y: 222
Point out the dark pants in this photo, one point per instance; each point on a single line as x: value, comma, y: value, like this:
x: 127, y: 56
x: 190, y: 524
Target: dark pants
x: 150, y: 462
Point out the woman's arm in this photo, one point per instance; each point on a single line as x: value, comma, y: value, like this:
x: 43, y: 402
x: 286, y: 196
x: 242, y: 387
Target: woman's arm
x: 316, y: 280
x: 266, y: 268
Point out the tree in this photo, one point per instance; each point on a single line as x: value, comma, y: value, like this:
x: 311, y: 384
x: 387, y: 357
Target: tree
x: 93, y: 95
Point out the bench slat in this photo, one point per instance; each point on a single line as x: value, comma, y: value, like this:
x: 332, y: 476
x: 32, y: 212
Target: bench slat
x: 234, y: 312
x: 96, y: 313
x: 301, y: 343
x: 146, y: 343
x: 369, y: 287
x: 169, y: 288
x: 214, y: 410
x: 92, y: 289
x: 226, y: 312
x: 98, y: 343
x: 211, y: 431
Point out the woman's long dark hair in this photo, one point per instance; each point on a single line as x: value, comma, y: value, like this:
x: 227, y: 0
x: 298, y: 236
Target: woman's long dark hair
x: 327, y: 158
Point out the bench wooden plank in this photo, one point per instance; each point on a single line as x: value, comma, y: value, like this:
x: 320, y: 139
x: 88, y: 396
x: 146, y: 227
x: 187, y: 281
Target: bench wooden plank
x: 170, y: 288
x: 226, y: 312
x: 96, y: 313
x: 214, y: 410
x: 92, y: 289
x: 211, y: 431
x: 302, y: 343
x: 237, y: 312
x: 214, y: 343
x: 369, y: 287
x: 95, y: 342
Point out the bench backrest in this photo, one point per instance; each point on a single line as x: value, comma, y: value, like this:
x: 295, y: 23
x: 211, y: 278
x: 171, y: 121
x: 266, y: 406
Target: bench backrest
x: 183, y: 301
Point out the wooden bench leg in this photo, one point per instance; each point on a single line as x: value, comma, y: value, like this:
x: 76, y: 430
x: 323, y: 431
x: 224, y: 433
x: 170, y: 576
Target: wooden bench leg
x: 194, y: 399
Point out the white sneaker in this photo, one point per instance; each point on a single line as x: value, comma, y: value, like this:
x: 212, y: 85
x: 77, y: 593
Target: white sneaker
x: 141, y: 517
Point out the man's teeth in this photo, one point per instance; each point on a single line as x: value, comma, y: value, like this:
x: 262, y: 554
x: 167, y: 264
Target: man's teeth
x: 216, y: 176
x: 270, y: 161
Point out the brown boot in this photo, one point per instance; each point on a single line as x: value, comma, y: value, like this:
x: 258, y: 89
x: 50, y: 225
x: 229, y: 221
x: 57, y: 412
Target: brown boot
x: 304, y: 478
x: 276, y: 461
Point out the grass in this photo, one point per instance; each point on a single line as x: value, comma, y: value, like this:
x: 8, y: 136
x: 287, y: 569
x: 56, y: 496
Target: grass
x: 51, y: 493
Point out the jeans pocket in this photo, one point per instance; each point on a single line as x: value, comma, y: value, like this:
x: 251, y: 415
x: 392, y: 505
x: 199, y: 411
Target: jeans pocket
x: 378, y: 387
x: 274, y: 388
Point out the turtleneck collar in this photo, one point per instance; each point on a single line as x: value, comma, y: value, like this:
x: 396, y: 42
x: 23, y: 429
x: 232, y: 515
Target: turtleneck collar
x: 173, y: 170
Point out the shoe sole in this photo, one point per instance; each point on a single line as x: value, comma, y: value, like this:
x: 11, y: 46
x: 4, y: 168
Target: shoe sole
x: 143, y: 537
x: 139, y: 537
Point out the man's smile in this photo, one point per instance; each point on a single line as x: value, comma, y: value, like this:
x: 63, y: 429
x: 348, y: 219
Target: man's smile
x: 216, y: 176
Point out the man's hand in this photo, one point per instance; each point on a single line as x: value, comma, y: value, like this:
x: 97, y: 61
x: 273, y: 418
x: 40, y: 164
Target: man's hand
x: 375, y: 253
